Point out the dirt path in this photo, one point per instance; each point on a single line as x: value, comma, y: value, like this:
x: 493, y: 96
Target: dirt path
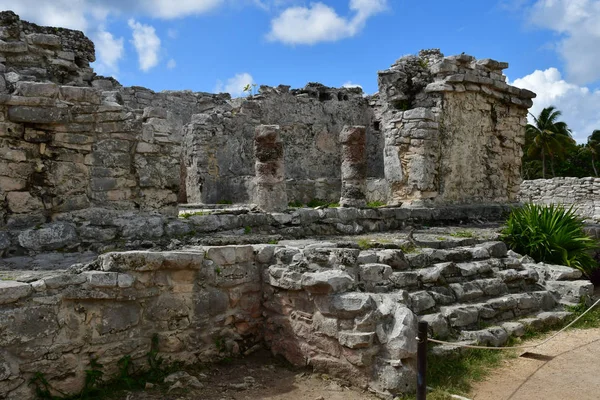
x: 257, y: 377
x: 569, y: 368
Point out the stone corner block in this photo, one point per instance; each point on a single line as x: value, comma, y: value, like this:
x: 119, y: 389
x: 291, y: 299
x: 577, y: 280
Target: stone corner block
x: 11, y: 291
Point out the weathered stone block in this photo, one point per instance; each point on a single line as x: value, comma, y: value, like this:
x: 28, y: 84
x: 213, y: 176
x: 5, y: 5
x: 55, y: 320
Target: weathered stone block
x: 11, y: 291
x: 23, y: 202
x: 52, y: 236
x: 356, y: 340
x: 325, y: 282
x: 36, y: 89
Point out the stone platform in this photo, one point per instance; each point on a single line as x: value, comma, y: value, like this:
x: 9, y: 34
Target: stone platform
x: 346, y: 308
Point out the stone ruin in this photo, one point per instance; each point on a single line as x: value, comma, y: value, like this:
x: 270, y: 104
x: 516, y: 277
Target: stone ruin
x: 95, y: 259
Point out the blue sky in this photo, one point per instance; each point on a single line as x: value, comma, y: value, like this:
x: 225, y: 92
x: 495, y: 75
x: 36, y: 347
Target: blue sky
x: 219, y: 45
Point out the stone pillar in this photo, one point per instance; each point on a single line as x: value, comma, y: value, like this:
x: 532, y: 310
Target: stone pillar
x: 269, y: 192
x: 354, y: 166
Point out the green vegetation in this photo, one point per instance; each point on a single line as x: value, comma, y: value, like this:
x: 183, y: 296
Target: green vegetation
x: 247, y: 230
x: 401, y: 105
x: 550, y: 234
x: 317, y: 203
x: 375, y: 204
x: 454, y: 374
x: 193, y: 214
x: 366, y: 244
x: 224, y: 202
x: 314, y: 203
x: 548, y: 142
x: 295, y: 204
x: 127, y: 378
x: 463, y: 234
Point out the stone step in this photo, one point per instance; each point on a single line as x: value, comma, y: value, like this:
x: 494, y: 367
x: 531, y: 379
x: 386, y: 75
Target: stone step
x: 465, y: 316
x: 497, y: 336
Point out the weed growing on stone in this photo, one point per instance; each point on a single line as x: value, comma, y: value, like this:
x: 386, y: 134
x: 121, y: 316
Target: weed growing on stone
x: 317, y: 203
x: 274, y: 241
x: 462, y: 234
x: 366, y: 244
x: 193, y: 214
x: 225, y: 202
x: 127, y: 378
x: 295, y: 204
x: 247, y: 230
x: 375, y: 204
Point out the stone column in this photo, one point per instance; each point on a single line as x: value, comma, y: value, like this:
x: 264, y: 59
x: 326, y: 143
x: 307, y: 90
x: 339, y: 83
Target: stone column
x: 269, y: 192
x: 354, y: 166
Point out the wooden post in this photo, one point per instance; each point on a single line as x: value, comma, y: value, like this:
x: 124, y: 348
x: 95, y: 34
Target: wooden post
x: 422, y: 361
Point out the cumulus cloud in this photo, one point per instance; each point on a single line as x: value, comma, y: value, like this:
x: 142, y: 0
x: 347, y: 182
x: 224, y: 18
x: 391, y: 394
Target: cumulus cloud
x: 146, y: 43
x: 171, y: 64
x: 109, y: 50
x: 579, y: 104
x: 91, y: 16
x: 351, y: 85
x: 321, y: 23
x: 168, y: 9
x: 235, y: 85
x: 576, y: 22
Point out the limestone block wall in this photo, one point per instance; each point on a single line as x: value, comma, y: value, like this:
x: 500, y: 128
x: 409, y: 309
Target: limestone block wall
x: 219, y: 146
x: 581, y: 193
x: 65, y: 148
x: 71, y: 140
x: 203, y: 304
x: 453, y: 128
x: 34, y: 52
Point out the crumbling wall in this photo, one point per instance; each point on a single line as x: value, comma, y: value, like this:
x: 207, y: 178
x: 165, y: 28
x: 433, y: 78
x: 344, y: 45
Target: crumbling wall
x: 219, y: 146
x: 70, y: 140
x: 202, y: 305
x: 33, y: 52
x: 581, y: 193
x: 454, y: 129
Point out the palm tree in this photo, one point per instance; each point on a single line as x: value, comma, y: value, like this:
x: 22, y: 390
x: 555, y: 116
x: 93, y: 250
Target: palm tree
x: 548, y: 137
x: 593, y: 145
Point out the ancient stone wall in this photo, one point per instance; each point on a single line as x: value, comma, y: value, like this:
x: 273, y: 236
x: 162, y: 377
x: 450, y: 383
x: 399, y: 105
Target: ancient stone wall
x: 454, y: 129
x: 347, y: 312
x: 71, y: 140
x: 219, y: 147
x: 86, y: 232
x: 581, y: 193
x: 36, y: 53
x: 202, y: 304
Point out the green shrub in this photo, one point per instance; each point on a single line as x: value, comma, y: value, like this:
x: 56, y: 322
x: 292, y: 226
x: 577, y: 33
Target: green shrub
x: 550, y: 234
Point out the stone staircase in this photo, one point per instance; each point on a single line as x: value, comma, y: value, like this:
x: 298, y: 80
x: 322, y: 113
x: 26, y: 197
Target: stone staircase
x: 478, y: 293
x: 483, y: 294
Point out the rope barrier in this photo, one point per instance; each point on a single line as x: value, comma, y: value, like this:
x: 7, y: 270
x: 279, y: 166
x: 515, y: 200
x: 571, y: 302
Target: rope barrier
x: 468, y: 346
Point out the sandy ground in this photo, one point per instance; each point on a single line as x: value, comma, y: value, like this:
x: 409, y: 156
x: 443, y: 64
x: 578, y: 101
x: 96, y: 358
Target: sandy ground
x: 566, y: 368
x: 259, y: 376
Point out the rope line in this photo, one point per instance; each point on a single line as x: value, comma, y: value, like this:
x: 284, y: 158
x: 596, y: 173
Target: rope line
x: 468, y: 346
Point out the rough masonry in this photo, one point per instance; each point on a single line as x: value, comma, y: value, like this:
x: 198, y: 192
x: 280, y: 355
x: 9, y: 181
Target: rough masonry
x: 88, y: 166
x: 581, y: 193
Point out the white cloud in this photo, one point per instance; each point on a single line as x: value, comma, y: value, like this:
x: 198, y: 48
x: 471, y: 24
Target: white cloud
x: 146, y: 43
x: 321, y: 23
x: 171, y: 64
x: 235, y: 85
x: 109, y: 50
x: 577, y: 23
x: 579, y: 104
x: 168, y: 9
x: 351, y: 85
x: 172, y: 33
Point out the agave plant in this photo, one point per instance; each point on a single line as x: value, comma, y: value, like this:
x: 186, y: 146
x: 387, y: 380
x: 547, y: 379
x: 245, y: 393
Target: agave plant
x: 551, y: 234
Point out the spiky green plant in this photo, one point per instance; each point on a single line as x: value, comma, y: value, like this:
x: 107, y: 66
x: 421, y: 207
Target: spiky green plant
x: 551, y: 234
